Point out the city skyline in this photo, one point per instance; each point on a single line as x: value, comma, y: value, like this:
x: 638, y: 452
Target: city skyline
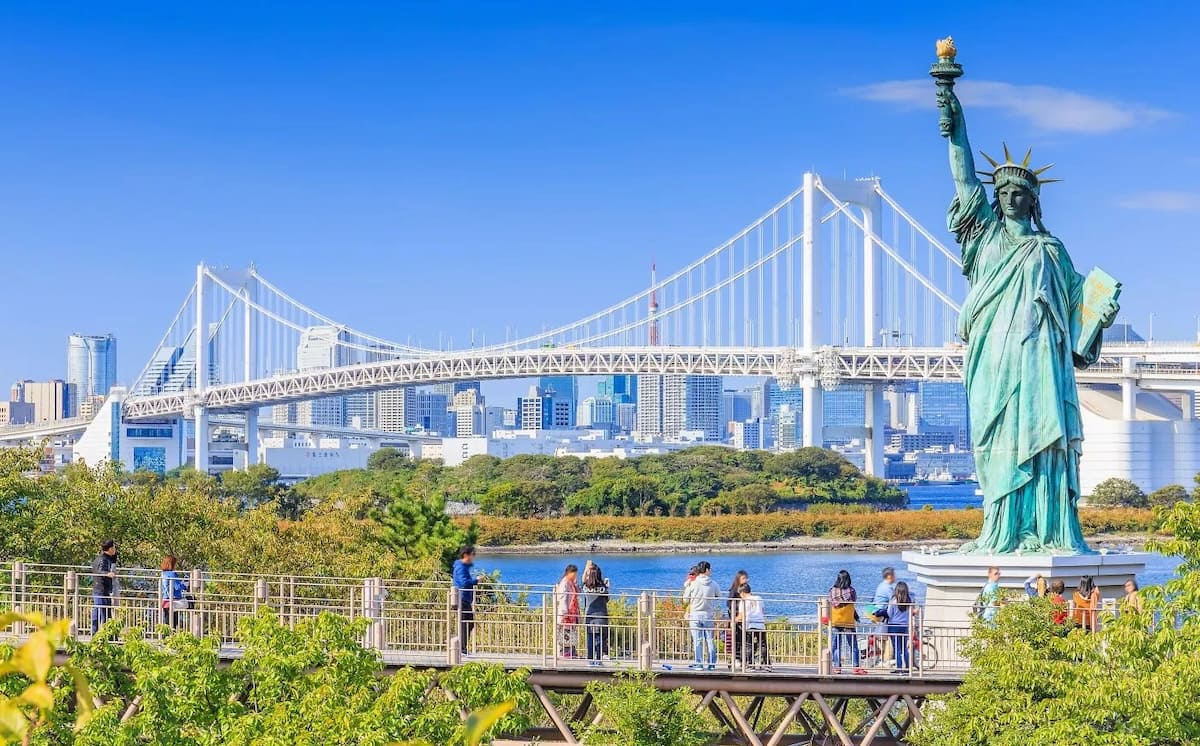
x: 658, y: 172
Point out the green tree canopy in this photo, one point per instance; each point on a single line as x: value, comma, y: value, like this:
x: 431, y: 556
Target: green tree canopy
x: 1115, y: 492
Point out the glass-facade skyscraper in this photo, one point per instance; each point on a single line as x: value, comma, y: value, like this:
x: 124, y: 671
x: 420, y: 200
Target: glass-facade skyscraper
x: 620, y: 389
x: 562, y: 389
x: 92, y: 363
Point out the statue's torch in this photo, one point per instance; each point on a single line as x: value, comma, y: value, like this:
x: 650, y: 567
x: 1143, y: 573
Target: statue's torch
x: 945, y: 71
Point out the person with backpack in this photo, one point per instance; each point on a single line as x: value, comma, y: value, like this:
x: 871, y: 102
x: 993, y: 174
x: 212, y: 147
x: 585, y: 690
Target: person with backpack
x: 172, y: 592
x: 595, y: 613
x: 843, y: 621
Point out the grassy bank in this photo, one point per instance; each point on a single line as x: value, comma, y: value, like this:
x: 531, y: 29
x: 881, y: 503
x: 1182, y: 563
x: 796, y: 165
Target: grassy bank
x: 903, y: 525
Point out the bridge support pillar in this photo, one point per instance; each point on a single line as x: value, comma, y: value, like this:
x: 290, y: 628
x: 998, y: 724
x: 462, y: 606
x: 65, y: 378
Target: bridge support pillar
x: 1187, y: 404
x: 251, y: 437
x: 813, y: 430
x: 873, y: 443
x: 201, y: 449
x: 1129, y: 389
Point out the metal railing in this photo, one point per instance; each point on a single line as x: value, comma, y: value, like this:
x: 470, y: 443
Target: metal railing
x: 427, y: 623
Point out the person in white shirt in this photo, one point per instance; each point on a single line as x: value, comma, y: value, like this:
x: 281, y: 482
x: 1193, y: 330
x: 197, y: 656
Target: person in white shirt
x: 754, y: 619
x: 700, y: 596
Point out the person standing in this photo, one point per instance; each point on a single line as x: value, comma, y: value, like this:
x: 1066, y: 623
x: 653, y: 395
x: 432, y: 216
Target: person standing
x: 1058, y: 602
x: 736, y: 641
x: 754, y: 618
x: 1132, y: 600
x: 464, y: 595
x: 700, y: 596
x: 566, y: 611
x: 843, y: 620
x: 172, y: 592
x: 988, y: 603
x: 104, y: 584
x: 901, y: 611
x: 879, y: 612
x: 1087, y: 604
x: 595, y: 613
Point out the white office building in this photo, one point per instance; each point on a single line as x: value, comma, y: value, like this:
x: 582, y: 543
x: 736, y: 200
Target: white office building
x: 322, y: 347
x: 670, y: 405
x: 595, y: 411
x: 396, y: 409
x: 746, y: 435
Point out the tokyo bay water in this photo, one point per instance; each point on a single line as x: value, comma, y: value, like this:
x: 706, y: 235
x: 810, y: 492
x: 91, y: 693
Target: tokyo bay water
x: 771, y: 570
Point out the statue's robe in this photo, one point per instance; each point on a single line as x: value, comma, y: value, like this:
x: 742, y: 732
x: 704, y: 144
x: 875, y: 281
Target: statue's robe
x: 1020, y: 378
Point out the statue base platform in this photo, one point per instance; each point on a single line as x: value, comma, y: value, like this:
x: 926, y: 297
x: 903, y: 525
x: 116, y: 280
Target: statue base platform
x: 953, y: 581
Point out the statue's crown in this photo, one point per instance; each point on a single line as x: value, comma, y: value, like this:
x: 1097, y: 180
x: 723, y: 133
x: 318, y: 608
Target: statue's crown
x: 1010, y: 171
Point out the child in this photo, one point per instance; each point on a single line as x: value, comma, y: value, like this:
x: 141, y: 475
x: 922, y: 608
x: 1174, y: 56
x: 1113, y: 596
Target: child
x: 751, y: 615
x: 1058, y: 601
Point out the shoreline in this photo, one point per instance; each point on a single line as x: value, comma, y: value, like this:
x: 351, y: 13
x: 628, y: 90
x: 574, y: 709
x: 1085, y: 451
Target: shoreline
x: 798, y: 543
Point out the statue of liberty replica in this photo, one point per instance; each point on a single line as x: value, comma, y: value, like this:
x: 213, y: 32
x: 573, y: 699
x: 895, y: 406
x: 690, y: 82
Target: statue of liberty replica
x: 1028, y: 322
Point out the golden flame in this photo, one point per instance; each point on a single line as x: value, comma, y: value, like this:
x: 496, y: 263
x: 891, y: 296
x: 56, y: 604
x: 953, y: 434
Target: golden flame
x: 946, y: 48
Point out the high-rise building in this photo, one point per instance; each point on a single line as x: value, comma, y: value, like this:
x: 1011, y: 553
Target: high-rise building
x: 360, y: 410
x: 787, y: 428
x: 469, y: 415
x: 845, y: 406
x: 778, y: 396
x: 535, y: 411
x: 396, y: 409
x: 943, y: 408
x: 15, y: 413
x: 562, y: 389
x: 746, y: 435
x: 52, y: 400
x: 618, y: 389
x: 669, y: 405
x: 737, y: 406
x: 595, y: 411
x: 433, y: 412
x: 625, y: 417
x: 92, y: 363
x: 457, y: 387
x: 321, y: 348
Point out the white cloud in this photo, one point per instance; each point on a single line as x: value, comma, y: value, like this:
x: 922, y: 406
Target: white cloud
x: 1164, y: 201
x: 1047, y: 108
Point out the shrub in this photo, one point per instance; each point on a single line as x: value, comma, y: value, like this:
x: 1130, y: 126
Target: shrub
x: 1115, y: 492
x: 636, y: 713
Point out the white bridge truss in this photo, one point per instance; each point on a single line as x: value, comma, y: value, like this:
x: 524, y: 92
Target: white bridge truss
x: 830, y: 367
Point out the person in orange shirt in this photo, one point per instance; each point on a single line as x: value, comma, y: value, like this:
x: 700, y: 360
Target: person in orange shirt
x: 1087, y: 604
x: 1058, y: 601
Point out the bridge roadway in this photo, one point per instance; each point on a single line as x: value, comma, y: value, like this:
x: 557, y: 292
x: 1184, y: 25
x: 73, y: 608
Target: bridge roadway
x: 416, y: 624
x: 1166, y: 367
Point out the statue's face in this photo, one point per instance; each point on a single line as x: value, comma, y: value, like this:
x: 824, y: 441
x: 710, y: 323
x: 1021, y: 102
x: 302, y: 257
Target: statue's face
x: 1016, y: 201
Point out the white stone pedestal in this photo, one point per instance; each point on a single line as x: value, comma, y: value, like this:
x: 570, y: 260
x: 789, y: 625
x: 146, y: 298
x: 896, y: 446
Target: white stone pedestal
x: 953, y: 581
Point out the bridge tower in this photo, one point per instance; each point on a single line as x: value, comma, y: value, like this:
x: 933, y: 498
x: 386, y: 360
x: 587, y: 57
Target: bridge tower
x: 200, y: 338
x: 862, y: 195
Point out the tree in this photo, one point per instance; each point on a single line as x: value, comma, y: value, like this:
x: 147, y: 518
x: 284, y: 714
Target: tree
x: 1167, y: 496
x: 257, y: 485
x: 310, y: 686
x: 419, y: 528
x: 28, y: 680
x: 810, y: 464
x: 1116, y: 492
x: 636, y: 713
x: 388, y: 459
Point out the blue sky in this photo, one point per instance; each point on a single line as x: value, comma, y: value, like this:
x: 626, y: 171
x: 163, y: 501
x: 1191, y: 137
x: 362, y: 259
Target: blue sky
x: 411, y: 169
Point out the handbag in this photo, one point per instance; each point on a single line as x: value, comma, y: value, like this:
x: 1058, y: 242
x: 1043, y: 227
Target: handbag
x: 180, y: 604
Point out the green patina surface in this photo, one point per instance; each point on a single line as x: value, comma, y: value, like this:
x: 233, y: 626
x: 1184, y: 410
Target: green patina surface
x: 1022, y: 326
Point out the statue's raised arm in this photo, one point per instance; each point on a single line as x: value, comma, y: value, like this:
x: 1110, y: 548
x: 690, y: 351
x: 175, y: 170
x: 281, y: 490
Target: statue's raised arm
x: 952, y: 123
